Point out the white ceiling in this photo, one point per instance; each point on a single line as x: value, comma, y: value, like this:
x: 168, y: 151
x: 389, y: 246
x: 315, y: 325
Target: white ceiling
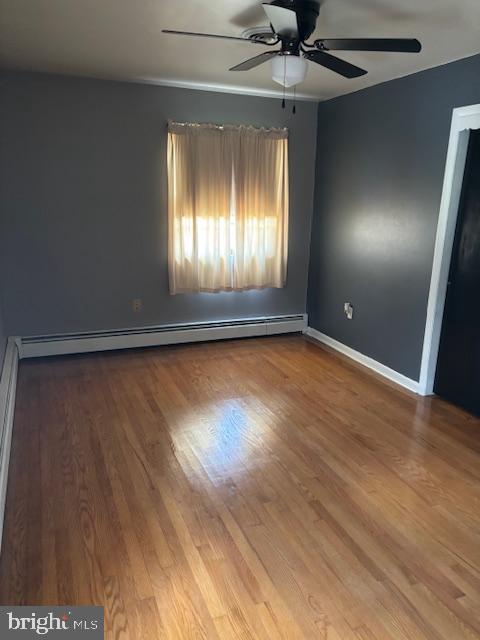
x: 122, y: 39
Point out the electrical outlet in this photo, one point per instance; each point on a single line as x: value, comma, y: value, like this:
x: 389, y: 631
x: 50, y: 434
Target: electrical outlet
x: 348, y: 309
x: 137, y: 305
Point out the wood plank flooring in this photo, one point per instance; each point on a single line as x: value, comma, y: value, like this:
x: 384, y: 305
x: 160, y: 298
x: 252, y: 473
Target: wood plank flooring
x: 263, y: 488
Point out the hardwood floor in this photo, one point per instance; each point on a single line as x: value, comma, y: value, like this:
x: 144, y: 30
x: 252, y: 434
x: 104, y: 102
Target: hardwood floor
x: 263, y: 488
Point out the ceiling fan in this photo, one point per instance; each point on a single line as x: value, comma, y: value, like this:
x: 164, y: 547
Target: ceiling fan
x: 292, y: 22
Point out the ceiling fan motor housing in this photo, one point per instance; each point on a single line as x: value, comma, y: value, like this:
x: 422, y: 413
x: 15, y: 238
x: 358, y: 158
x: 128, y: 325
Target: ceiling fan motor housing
x: 307, y: 14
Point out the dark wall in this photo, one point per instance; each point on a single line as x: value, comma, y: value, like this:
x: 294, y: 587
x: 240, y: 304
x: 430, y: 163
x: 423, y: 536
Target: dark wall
x: 83, y: 195
x: 380, y: 162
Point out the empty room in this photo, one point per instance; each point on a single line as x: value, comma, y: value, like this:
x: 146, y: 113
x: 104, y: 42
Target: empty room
x: 239, y: 319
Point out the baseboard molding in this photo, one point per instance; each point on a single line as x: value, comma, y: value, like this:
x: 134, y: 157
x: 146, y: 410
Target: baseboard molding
x: 40, y: 346
x: 386, y: 372
x: 8, y: 385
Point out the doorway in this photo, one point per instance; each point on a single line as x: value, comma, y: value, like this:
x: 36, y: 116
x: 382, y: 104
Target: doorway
x: 464, y: 121
x: 458, y: 367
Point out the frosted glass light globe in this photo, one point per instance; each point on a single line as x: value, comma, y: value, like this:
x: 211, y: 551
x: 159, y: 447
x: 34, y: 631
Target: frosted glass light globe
x: 289, y: 70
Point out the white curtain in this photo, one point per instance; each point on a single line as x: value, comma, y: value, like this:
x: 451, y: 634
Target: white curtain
x: 227, y: 207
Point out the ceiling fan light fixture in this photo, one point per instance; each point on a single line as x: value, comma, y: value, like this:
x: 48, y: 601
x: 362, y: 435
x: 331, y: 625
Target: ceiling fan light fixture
x: 289, y: 70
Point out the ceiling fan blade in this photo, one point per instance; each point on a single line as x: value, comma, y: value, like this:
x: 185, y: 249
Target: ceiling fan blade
x: 399, y: 45
x: 210, y: 35
x: 254, y: 62
x: 284, y: 21
x: 345, y: 69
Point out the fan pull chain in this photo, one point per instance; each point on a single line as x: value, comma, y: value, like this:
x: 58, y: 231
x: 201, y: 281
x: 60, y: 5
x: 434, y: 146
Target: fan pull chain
x: 294, y: 110
x: 284, y: 80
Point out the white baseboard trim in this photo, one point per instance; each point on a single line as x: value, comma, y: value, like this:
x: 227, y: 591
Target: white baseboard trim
x: 40, y: 346
x: 378, y: 367
x: 8, y: 385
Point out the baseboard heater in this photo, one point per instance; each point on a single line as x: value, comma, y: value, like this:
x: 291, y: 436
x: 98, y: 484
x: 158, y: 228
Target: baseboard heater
x: 52, y: 345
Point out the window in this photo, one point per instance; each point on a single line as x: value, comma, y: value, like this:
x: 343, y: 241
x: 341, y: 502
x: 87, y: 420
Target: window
x: 227, y: 207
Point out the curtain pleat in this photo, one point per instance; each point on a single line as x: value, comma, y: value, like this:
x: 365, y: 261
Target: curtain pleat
x: 227, y: 207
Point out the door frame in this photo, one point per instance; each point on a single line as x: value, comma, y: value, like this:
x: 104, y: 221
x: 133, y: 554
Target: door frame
x: 464, y: 120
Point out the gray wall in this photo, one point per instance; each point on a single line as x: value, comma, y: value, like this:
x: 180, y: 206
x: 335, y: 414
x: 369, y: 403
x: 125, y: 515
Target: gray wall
x: 83, y: 195
x: 380, y: 163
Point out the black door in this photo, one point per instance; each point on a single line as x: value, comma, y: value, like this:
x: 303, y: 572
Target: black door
x: 458, y: 369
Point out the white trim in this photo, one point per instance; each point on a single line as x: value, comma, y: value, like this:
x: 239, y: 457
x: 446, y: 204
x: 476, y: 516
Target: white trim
x: 463, y: 120
x: 199, y: 86
x: 226, y: 88
x: 215, y: 87
x: 8, y: 384
x: 40, y: 346
x: 366, y: 361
